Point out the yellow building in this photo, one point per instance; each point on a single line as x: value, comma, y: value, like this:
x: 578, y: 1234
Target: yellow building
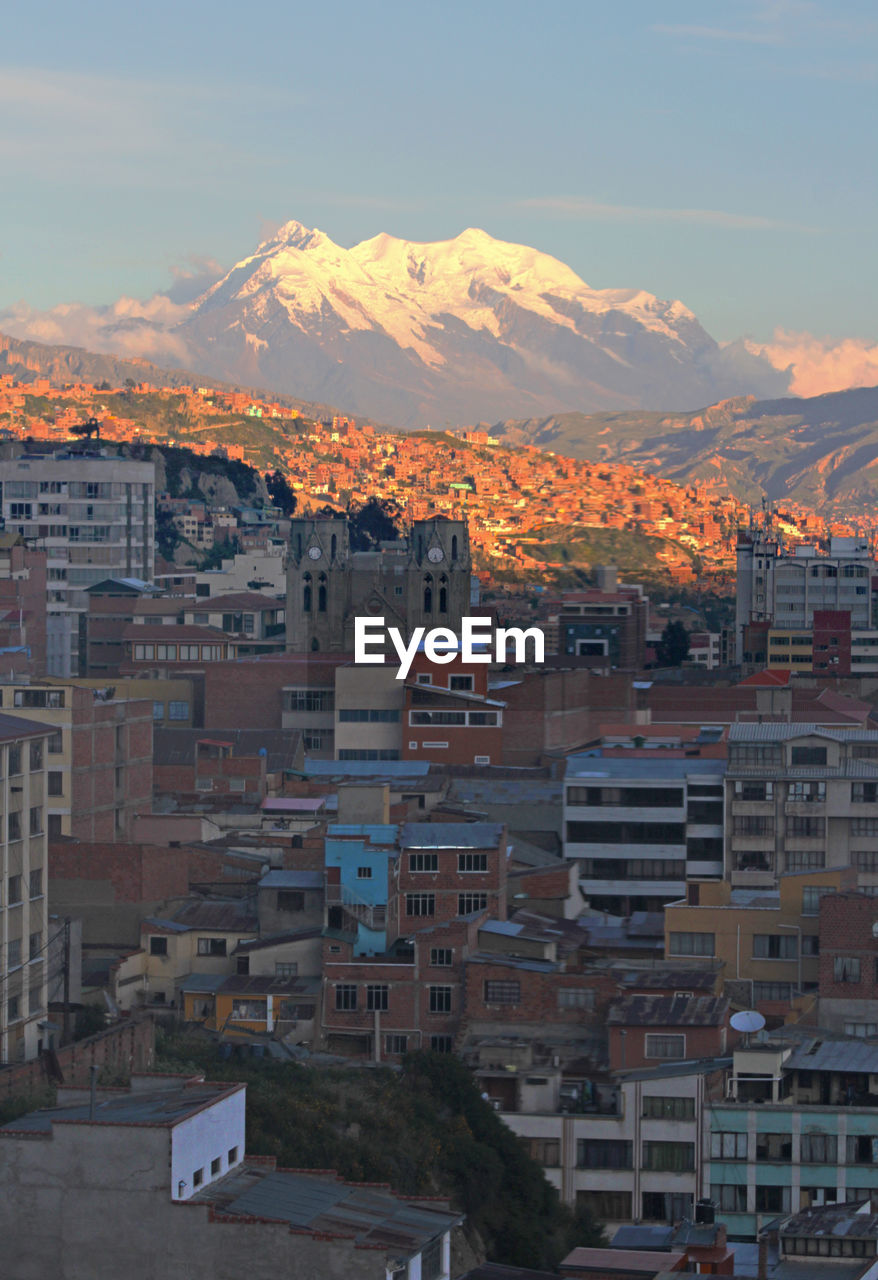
x: 766, y: 939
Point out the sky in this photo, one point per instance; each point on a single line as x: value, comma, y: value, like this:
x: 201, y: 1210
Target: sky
x: 721, y: 154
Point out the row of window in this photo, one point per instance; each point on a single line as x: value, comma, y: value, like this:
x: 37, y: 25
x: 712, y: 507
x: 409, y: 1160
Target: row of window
x: 466, y: 862
x: 424, y: 904
x: 766, y: 946
x: 616, y: 1153
x: 179, y: 652
x: 377, y: 996
x: 626, y: 833
x: 627, y: 797
x: 14, y: 949
x: 15, y: 828
x: 479, y: 719
x: 177, y: 710
x: 814, y: 1148
x: 34, y: 1003
x: 617, y: 1206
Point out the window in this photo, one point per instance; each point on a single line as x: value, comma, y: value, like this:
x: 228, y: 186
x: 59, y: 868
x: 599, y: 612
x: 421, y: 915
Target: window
x: 808, y: 828
x: 216, y: 1166
x: 441, y: 1044
x: 158, y: 946
x: 460, y: 683
x: 467, y: 903
x: 36, y: 756
x: 198, y: 1177
x: 807, y: 755
x: 754, y: 790
x: 13, y: 892
x: 667, y: 1206
x: 364, y: 873
x: 773, y: 1199
x: 440, y: 999
x: 846, y: 969
x: 606, y: 1206
x: 232, y: 1157
x: 377, y: 994
x: 861, y: 1149
x: 12, y: 1009
x: 423, y: 862
x: 420, y: 904
x: 424, y: 677
x: 55, y: 785
x: 603, y: 1153
x: 496, y: 992
x: 546, y: 1151
x: 211, y: 946
x: 14, y: 821
x: 346, y: 997
x: 811, y: 895
x: 626, y: 833
x: 774, y: 1146
x: 372, y: 715
x: 807, y: 792
x: 310, y: 700
x: 665, y: 1046
x: 805, y: 859
x: 441, y: 957
x: 819, y: 1148
x: 55, y: 743
x: 286, y: 969
x: 728, y: 1146
x: 36, y: 820
x: 467, y: 862
x: 13, y: 953
x: 669, y: 1157
x: 861, y: 1029
x: 575, y: 998
x: 777, y: 991
x: 730, y: 1197
x: 14, y: 759
x: 290, y: 900
x: 775, y: 946
x: 692, y: 944
x: 866, y: 860
x: 396, y: 1044
x: 35, y: 945
x: 656, y: 1108
x: 35, y: 883
x: 178, y: 710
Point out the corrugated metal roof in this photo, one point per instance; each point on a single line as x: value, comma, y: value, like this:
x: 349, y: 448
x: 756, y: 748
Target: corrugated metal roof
x: 669, y: 1011
x: 392, y: 769
x: 782, y: 732
x: 165, y: 1106
x: 850, y: 1054
x: 647, y: 768
x: 450, y: 835
x: 292, y: 880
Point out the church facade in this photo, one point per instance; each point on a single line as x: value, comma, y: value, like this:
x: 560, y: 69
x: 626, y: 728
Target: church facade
x: 421, y: 580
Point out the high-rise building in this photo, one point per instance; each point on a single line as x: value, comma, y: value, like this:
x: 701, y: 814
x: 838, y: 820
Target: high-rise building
x: 24, y: 941
x: 420, y: 580
x: 93, y: 513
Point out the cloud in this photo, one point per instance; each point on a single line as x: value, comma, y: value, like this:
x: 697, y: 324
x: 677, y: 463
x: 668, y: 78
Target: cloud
x: 717, y: 33
x: 584, y: 207
x: 128, y: 327
x: 820, y: 365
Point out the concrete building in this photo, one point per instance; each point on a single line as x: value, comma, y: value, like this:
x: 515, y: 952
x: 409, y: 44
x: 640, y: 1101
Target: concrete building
x: 631, y: 1152
x: 848, y: 964
x: 607, y: 623
x: 24, y: 936
x: 795, y: 1130
x: 782, y: 589
x: 22, y: 606
x: 163, y: 1187
x: 799, y: 798
x: 640, y: 826
x: 99, y: 756
x: 422, y: 580
x: 92, y: 513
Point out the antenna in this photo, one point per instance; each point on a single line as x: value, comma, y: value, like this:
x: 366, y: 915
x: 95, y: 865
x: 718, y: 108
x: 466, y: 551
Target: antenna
x: 748, y: 1021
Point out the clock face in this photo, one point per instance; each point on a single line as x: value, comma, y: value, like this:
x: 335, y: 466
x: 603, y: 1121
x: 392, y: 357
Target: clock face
x: 435, y: 554
x: 315, y: 553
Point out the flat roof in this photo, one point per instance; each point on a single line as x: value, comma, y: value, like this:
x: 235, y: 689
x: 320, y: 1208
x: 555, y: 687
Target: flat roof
x: 166, y: 1107
x: 450, y: 835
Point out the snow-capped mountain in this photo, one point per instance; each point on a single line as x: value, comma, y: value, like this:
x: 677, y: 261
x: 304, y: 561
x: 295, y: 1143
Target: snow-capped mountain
x: 460, y: 331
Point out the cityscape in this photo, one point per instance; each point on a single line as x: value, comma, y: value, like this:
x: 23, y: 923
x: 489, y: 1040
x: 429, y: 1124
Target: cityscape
x: 439, y: 666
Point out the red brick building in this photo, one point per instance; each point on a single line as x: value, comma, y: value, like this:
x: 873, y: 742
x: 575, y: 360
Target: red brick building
x: 646, y: 1031
x: 446, y: 870
x: 848, y: 975
x: 22, y: 607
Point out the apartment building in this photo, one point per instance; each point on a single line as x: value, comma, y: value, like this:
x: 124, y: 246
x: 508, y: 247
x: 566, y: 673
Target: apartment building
x: 606, y: 623
x: 800, y: 798
x: 640, y: 826
x: 98, y: 756
x: 24, y: 935
x: 93, y: 515
x: 783, y: 590
x: 848, y: 964
x: 795, y: 1130
x: 766, y: 940
x: 630, y: 1151
x: 22, y: 606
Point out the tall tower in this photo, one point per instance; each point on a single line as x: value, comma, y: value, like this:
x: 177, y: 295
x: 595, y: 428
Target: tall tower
x: 318, y: 576
x: 440, y: 568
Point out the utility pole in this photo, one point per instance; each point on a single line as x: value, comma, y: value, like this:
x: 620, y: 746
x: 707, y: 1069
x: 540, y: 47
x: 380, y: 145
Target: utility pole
x: 65, y: 1027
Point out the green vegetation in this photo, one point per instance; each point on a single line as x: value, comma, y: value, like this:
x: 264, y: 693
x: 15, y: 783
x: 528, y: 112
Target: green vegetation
x: 425, y: 1130
x: 673, y: 648
x: 584, y: 546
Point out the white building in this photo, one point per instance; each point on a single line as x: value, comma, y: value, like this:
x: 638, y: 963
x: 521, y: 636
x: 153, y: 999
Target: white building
x: 94, y: 514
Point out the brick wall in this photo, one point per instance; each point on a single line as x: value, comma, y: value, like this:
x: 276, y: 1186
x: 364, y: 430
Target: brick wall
x: 126, y: 1047
x: 846, y: 921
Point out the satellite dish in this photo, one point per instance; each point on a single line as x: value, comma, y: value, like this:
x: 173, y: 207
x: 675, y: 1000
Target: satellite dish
x: 747, y: 1020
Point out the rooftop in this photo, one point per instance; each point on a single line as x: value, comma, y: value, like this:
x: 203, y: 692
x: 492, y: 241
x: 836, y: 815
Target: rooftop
x: 669, y: 1011
x: 450, y: 835
x: 162, y: 1106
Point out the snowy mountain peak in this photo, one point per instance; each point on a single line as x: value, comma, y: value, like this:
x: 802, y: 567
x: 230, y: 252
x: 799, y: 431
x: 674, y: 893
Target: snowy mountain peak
x: 466, y: 329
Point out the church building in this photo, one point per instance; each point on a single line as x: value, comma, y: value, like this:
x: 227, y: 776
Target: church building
x: 421, y: 580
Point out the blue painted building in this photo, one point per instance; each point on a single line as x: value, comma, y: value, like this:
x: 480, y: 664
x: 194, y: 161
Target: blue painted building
x: 358, y: 860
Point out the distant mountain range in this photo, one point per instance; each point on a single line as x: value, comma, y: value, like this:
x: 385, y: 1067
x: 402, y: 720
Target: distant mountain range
x: 821, y: 451
x: 456, y: 332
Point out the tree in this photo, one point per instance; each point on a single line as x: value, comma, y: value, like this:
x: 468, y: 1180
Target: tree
x: 280, y: 492
x: 673, y: 648
x: 375, y: 521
